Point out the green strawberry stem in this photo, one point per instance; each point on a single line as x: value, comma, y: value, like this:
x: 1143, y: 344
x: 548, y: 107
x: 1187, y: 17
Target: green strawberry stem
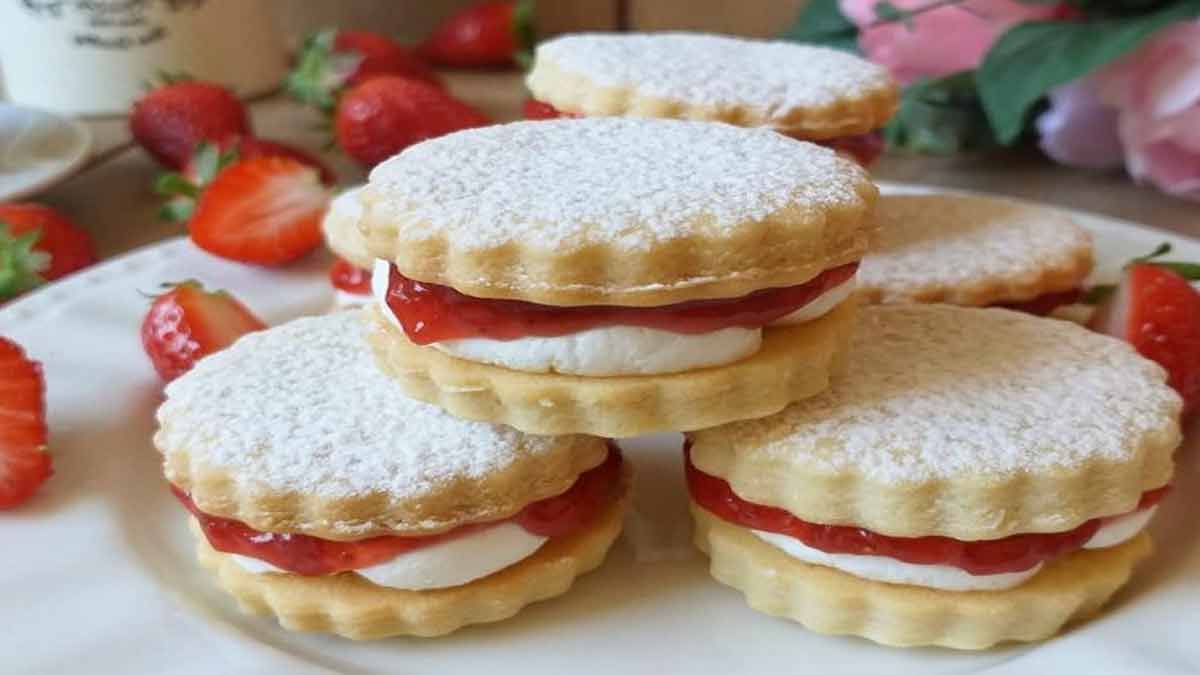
x: 20, y: 264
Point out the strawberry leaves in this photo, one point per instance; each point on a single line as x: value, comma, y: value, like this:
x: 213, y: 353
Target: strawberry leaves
x: 20, y: 265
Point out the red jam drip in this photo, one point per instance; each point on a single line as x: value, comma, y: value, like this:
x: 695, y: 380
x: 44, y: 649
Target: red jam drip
x: 540, y: 110
x: 348, y: 277
x: 431, y: 313
x: 311, y: 556
x: 1043, y: 304
x: 1016, y: 553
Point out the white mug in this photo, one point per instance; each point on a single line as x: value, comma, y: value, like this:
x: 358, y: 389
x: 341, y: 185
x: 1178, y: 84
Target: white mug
x: 93, y: 56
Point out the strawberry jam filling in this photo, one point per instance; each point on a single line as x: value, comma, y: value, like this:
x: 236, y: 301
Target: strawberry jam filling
x: 1016, y: 553
x: 1043, y: 304
x: 864, y: 148
x: 311, y: 556
x: 431, y: 313
x: 348, y: 277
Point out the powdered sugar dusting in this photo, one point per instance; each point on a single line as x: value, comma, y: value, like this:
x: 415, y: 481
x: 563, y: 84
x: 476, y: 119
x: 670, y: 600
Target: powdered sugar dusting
x: 719, y: 71
x: 952, y: 240
x: 942, y: 392
x: 302, y: 407
x: 625, y: 183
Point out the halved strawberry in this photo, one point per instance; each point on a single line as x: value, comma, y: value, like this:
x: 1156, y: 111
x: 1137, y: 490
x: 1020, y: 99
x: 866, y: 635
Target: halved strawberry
x: 38, y: 244
x: 265, y: 211
x: 332, y: 60
x: 1155, y: 309
x: 187, y: 323
x: 171, y: 120
x: 384, y: 115
x: 182, y: 188
x: 24, y: 462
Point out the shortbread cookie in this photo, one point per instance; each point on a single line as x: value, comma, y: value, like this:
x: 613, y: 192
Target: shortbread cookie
x: 351, y: 272
x: 612, y: 247
x: 311, y: 472
x: 975, y: 251
x: 964, y: 455
x: 807, y: 92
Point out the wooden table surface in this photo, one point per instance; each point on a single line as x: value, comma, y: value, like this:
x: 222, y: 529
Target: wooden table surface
x: 112, y: 196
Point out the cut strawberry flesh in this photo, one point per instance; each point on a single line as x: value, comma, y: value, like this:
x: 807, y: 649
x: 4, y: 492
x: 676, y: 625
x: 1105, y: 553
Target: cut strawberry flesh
x: 1016, y: 553
x: 431, y: 313
x: 350, y: 278
x: 311, y: 556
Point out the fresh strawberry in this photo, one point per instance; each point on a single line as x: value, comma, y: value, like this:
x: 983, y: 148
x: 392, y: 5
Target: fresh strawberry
x: 486, y: 34
x: 170, y: 121
x: 332, y: 60
x: 265, y: 211
x: 187, y: 323
x: 384, y: 115
x: 1155, y: 309
x: 348, y: 277
x: 182, y: 188
x: 24, y: 462
x: 38, y: 244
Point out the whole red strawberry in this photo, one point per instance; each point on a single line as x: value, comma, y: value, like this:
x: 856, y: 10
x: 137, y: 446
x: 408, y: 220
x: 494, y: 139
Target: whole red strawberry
x: 487, y: 34
x: 24, y: 462
x: 1155, y: 309
x: 265, y: 211
x: 183, y: 188
x: 171, y: 120
x: 38, y: 244
x: 187, y: 323
x: 332, y: 60
x: 384, y: 115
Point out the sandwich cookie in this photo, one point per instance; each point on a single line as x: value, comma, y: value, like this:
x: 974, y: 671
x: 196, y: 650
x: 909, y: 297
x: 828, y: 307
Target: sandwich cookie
x: 322, y: 495
x: 975, y: 251
x: 351, y: 272
x: 977, y: 476
x: 810, y: 93
x: 614, y: 276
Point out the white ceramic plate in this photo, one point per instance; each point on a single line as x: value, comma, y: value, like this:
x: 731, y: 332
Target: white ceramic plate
x: 37, y: 149
x: 97, y: 573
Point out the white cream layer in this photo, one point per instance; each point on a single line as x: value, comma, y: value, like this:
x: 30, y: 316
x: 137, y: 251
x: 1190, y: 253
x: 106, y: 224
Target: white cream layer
x: 944, y: 577
x: 452, y: 562
x: 616, y: 350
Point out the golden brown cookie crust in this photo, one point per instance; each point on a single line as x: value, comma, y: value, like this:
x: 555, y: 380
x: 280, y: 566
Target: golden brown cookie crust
x: 343, y: 236
x: 636, y: 225
x: 851, y: 107
x: 351, y: 606
x: 794, y: 362
x: 828, y: 601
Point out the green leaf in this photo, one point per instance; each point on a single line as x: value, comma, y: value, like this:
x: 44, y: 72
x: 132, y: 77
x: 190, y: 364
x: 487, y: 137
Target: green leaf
x: 940, y: 116
x: 320, y: 72
x: 206, y: 162
x: 175, y: 185
x: 822, y: 23
x: 1032, y: 58
x: 1098, y: 294
x: 889, y: 13
x: 178, y: 210
x: 1189, y: 271
x: 525, y: 30
x: 20, y: 264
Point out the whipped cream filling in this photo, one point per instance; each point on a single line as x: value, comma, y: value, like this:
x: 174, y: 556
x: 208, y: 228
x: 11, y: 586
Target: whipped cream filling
x: 448, y: 563
x: 616, y: 350
x: 946, y: 577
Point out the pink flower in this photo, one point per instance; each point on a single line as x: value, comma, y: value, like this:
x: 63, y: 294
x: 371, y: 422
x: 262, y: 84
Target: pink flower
x: 1157, y: 91
x: 1079, y: 129
x: 941, y: 41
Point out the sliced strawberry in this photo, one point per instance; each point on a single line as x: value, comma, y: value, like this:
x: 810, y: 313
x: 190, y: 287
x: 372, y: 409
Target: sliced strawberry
x: 486, y: 34
x: 534, y: 109
x: 24, y: 462
x: 332, y: 60
x: 184, y: 187
x: 265, y: 211
x: 37, y: 244
x: 1155, y: 309
x: 384, y: 115
x: 170, y: 121
x: 187, y: 323
x: 348, y: 277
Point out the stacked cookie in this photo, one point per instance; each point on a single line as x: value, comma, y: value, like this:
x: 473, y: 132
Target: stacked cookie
x: 350, y: 274
x: 810, y: 93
